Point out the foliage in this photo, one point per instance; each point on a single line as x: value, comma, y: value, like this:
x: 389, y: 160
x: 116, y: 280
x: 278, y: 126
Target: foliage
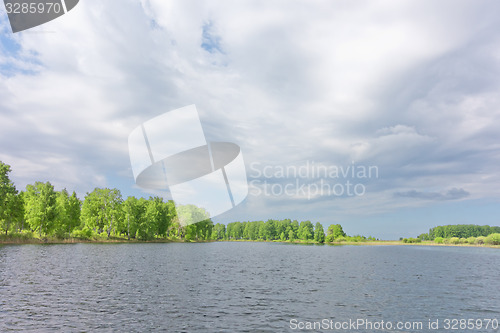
x: 412, y: 240
x: 334, y: 232
x: 480, y: 240
x: 9, y: 201
x: 493, y: 239
x: 306, y: 230
x: 219, y: 232
x: 67, y: 213
x: 101, y: 210
x: 15, y: 237
x: 424, y: 237
x: 471, y: 240
x: 273, y: 230
x: 40, y: 207
x: 103, y: 214
x: 84, y: 233
x: 319, y: 233
x: 459, y: 231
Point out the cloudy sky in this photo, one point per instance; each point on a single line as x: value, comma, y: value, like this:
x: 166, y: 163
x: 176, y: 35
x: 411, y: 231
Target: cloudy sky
x: 408, y: 87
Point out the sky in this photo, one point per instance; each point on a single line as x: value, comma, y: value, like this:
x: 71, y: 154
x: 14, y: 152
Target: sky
x: 406, y: 89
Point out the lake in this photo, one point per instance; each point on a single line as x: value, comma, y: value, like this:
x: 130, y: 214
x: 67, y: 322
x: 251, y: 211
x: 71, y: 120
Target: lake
x: 247, y: 287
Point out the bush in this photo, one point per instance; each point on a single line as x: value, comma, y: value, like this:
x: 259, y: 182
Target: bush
x: 454, y: 240
x: 424, y: 237
x: 412, y: 240
x: 82, y: 234
x: 480, y: 240
x: 493, y: 239
x: 22, y: 236
x: 463, y: 240
x: 471, y: 240
x: 357, y: 238
x: 439, y: 240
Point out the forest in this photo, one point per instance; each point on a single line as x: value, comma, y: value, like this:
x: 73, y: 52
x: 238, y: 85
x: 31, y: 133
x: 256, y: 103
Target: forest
x: 460, y: 234
x: 460, y: 231
x: 42, y: 212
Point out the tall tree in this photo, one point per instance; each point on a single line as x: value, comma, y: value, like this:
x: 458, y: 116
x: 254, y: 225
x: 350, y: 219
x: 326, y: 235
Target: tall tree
x: 219, y: 232
x: 334, y: 231
x: 133, y: 210
x: 319, y: 233
x: 62, y: 215
x: 67, y: 213
x: 73, y: 209
x: 40, y: 207
x: 306, y: 230
x: 156, y: 219
x: 9, y: 203
x: 101, y: 210
x: 13, y: 211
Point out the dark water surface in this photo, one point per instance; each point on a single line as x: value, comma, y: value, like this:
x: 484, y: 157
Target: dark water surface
x: 242, y: 287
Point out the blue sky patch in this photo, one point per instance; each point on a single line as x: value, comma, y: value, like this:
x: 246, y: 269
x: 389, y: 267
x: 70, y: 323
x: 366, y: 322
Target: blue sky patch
x: 210, y: 41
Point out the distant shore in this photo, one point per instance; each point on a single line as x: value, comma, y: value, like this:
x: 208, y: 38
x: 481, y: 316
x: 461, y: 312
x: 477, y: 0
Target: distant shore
x: 112, y: 240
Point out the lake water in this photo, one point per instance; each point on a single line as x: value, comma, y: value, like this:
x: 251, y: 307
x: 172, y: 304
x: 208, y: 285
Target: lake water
x: 244, y: 287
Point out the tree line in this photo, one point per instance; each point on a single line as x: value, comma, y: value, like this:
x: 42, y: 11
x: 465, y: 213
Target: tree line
x: 45, y: 212
x: 283, y: 230
x: 459, y: 231
x: 459, y: 234
x: 104, y: 213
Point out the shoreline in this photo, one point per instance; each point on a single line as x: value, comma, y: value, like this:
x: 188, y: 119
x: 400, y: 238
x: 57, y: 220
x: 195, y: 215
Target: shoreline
x: 37, y: 241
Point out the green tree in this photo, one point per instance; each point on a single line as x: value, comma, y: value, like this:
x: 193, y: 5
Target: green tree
x: 199, y: 231
x: 176, y: 230
x: 306, y: 230
x: 270, y: 230
x: 157, y: 219
x: 61, y: 224
x: 461, y: 231
x: 101, y: 210
x: 251, y: 230
x: 235, y: 230
x: 219, y: 232
x: 133, y: 213
x: 67, y: 213
x: 189, y: 214
x: 319, y: 233
x: 493, y: 239
x: 294, y: 226
x: 73, y: 209
x: 9, y: 202
x: 334, y: 231
x: 40, y: 207
x: 17, y: 211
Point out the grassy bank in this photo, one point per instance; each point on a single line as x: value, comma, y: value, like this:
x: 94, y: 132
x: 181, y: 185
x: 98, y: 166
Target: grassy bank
x: 28, y: 238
